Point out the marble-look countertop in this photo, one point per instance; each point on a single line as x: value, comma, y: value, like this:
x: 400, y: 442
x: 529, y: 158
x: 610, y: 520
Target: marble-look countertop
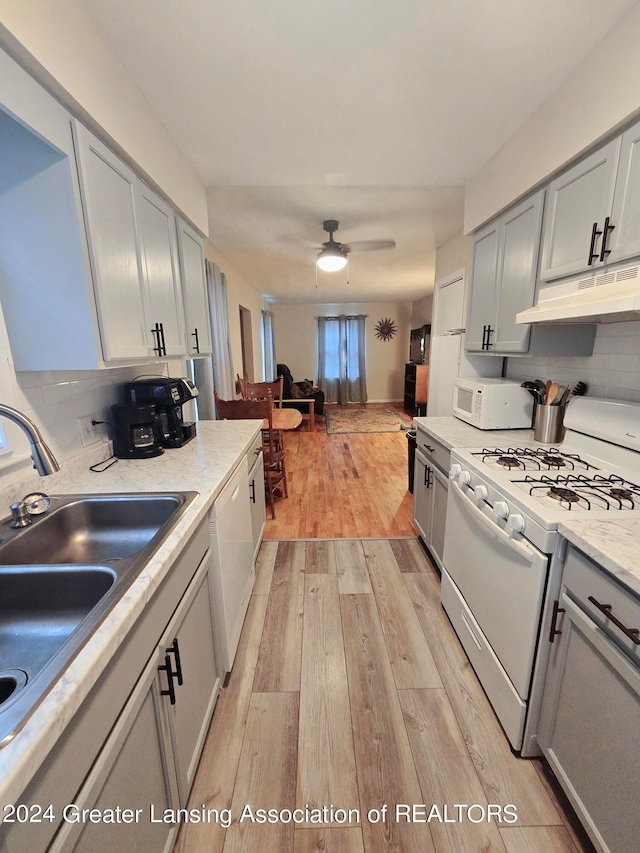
x: 452, y: 433
x: 203, y: 465
x: 611, y: 544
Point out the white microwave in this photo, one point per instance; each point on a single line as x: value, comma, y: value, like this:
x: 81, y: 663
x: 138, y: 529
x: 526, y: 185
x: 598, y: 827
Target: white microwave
x: 492, y: 403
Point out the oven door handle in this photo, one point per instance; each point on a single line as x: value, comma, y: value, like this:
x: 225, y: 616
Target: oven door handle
x: 523, y: 548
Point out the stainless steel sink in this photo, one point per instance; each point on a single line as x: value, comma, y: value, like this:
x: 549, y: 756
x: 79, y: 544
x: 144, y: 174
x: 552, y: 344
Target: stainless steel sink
x: 61, y: 576
x: 89, y: 530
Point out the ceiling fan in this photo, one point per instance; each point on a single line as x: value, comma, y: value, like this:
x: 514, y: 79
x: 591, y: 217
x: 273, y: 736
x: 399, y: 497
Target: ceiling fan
x: 333, y: 255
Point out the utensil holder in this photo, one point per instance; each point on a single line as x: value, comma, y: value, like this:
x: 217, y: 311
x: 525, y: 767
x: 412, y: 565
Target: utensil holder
x: 548, y: 427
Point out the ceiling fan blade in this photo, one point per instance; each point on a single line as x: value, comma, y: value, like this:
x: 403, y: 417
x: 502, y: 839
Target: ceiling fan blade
x: 369, y: 245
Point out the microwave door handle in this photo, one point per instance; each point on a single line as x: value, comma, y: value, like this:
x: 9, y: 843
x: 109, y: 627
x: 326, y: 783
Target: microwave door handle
x: 523, y: 548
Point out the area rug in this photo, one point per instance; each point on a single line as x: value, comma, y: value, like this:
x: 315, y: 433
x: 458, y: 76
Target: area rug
x: 369, y: 419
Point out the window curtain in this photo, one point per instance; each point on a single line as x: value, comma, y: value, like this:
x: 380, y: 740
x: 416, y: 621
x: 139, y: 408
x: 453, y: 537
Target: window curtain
x: 342, y: 358
x: 217, y: 371
x: 268, y: 347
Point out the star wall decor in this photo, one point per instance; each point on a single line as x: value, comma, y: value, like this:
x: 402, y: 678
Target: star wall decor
x: 386, y: 329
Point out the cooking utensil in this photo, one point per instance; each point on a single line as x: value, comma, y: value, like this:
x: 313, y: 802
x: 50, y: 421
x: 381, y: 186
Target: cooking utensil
x: 542, y: 390
x: 552, y: 393
x: 532, y: 389
x: 565, y: 396
x: 547, y: 389
x: 580, y: 389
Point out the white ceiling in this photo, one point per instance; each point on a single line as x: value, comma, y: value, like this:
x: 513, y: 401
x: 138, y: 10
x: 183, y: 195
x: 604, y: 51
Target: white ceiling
x: 370, y: 112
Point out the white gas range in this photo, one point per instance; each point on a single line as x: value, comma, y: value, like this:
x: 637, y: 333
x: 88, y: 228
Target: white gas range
x: 502, y: 554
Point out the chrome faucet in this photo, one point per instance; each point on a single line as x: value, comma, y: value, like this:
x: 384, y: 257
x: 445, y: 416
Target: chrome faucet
x: 43, y: 459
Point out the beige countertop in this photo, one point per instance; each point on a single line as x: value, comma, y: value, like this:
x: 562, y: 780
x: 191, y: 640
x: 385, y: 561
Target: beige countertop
x: 452, y: 432
x: 611, y: 544
x: 203, y: 465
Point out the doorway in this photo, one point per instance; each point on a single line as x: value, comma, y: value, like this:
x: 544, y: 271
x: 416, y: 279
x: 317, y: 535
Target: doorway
x: 246, y: 343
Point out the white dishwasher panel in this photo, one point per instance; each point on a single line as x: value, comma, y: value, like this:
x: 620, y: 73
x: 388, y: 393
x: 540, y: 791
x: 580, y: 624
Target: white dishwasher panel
x: 232, y: 550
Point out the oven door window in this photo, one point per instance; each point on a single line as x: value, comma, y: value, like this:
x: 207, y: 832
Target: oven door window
x: 501, y: 579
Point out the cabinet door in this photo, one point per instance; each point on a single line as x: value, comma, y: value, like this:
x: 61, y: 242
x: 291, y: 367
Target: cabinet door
x: 133, y: 772
x: 589, y: 730
x: 423, y: 498
x: 108, y: 190
x: 576, y: 200
x: 440, y: 490
x: 194, y: 285
x: 257, y: 498
x: 482, y: 297
x: 189, y: 643
x: 160, y: 272
x: 624, y: 240
x: 517, y: 268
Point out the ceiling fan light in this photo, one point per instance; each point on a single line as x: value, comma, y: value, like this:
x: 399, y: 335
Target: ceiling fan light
x: 331, y: 259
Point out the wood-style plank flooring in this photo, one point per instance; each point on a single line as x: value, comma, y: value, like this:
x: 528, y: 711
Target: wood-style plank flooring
x: 343, y: 486
x: 350, y: 690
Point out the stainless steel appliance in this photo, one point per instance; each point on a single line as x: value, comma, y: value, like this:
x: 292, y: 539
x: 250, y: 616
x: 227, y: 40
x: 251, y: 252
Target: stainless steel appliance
x: 168, y: 396
x: 502, y: 551
x: 492, y: 403
x: 137, y: 431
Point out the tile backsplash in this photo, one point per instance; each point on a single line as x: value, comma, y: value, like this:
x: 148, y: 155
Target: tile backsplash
x: 55, y: 401
x: 612, y: 371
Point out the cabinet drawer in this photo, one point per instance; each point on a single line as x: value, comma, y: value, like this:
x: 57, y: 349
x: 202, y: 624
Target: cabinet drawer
x: 587, y: 583
x: 435, y: 452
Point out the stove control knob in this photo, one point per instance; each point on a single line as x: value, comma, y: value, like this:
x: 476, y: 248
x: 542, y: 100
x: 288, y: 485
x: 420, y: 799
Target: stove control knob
x: 482, y: 493
x: 455, y: 470
x: 501, y: 509
x: 515, y: 522
x: 464, y: 478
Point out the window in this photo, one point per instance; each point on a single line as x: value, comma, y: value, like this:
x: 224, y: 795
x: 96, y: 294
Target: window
x: 342, y: 358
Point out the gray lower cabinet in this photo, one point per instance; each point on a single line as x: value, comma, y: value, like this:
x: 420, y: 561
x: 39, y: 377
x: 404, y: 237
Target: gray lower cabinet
x: 590, y: 721
x: 149, y: 761
x: 430, y: 491
x: 135, y: 741
x: 131, y: 773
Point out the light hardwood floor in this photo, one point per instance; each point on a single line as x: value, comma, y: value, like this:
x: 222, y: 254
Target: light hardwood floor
x: 351, y: 690
x: 344, y: 486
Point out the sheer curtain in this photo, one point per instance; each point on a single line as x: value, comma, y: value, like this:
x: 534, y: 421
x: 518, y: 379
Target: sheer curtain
x: 342, y: 358
x: 268, y: 346
x: 217, y: 371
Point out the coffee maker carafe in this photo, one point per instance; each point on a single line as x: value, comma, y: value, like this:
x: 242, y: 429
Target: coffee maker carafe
x: 137, y: 432
x: 168, y: 396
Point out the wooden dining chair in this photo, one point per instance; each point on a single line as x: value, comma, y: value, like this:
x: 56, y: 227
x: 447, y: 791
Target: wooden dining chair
x: 275, y: 472
x: 260, y: 390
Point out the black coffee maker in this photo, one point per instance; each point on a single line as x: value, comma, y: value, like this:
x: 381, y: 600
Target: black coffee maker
x: 137, y: 431
x: 168, y: 397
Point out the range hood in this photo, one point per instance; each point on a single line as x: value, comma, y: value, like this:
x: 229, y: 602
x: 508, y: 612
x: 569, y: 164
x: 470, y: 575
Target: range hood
x: 605, y: 297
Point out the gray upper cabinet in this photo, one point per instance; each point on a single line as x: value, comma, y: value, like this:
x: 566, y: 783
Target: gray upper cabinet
x: 159, y: 253
x: 578, y: 203
x: 194, y: 288
x: 503, y: 279
x: 592, y: 213
x: 108, y: 197
x: 484, y: 264
x: 624, y: 240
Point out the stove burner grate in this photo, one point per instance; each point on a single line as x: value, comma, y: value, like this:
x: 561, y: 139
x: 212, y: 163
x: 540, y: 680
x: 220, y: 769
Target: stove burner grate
x: 560, y: 494
x: 554, y: 461
x: 509, y: 462
x: 533, y: 458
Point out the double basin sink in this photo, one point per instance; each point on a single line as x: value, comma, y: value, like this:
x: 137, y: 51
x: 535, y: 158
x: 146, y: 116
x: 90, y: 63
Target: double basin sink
x: 60, y: 577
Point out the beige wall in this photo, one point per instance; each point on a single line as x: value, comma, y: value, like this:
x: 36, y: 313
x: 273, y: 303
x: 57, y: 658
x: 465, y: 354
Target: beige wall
x: 602, y: 93
x: 421, y: 311
x: 61, y: 48
x: 296, y: 341
x: 240, y: 292
x: 453, y: 255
